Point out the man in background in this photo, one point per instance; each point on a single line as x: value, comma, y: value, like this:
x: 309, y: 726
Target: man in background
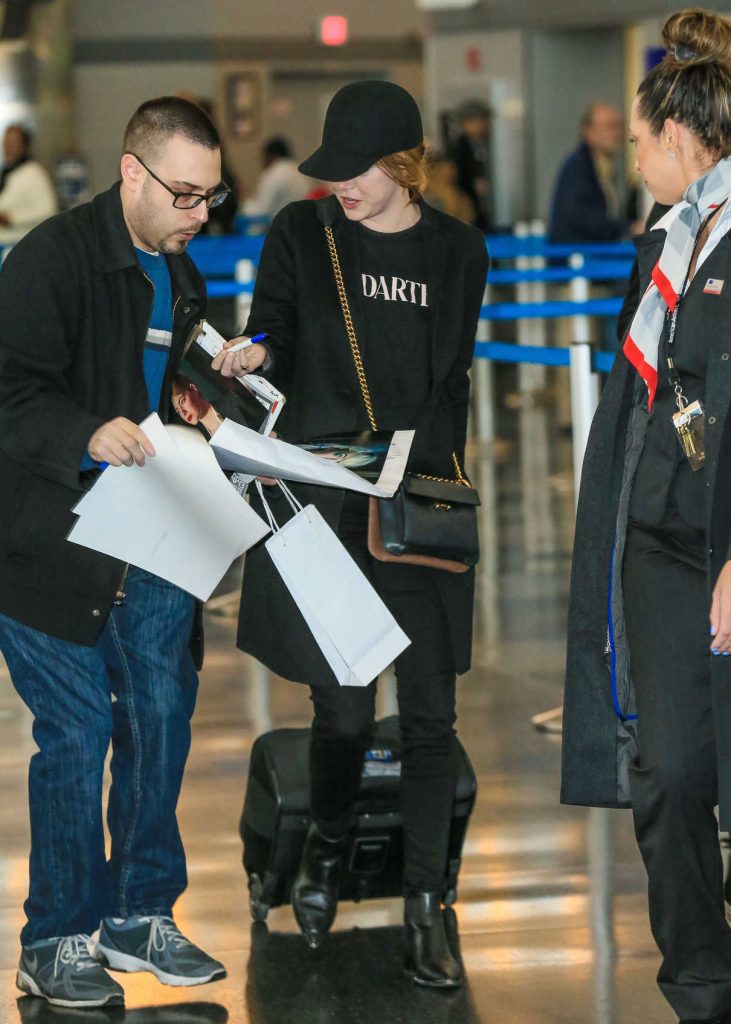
x: 587, y: 203
x: 470, y: 153
x: 279, y: 183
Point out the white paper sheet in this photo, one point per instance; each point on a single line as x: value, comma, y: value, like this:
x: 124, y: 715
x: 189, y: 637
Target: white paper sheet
x: 177, y: 516
x: 245, y: 450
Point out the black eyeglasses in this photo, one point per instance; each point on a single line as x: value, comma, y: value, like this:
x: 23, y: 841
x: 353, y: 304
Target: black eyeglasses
x: 188, y: 200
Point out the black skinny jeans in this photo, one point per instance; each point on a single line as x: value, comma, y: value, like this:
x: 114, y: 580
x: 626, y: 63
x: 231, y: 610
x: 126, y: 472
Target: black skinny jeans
x: 343, y: 724
x: 674, y: 778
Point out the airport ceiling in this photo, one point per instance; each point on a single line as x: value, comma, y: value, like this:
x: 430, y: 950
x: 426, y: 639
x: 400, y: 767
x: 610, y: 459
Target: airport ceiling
x: 551, y: 14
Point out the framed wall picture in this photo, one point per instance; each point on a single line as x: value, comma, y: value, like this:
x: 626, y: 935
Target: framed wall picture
x: 243, y: 103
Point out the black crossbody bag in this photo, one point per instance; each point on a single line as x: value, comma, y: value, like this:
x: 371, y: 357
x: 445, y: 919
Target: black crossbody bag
x: 430, y: 520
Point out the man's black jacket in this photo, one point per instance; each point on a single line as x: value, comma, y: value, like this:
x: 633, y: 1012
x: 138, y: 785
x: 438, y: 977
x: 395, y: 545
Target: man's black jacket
x: 74, y: 312
x: 579, y: 207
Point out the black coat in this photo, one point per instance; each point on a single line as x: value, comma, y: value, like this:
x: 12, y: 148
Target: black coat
x: 296, y: 303
x: 470, y: 161
x: 579, y: 207
x: 74, y: 312
x: 599, y: 733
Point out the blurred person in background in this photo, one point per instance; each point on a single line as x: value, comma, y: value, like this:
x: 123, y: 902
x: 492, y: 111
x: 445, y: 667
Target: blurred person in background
x: 27, y: 196
x: 470, y: 153
x: 280, y: 181
x: 443, y: 193
x: 586, y: 204
x: 647, y: 710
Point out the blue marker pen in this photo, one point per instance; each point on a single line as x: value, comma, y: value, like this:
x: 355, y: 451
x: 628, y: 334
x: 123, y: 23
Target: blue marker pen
x: 247, y: 342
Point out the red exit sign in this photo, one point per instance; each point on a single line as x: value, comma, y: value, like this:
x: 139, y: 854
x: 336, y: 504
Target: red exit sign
x: 333, y: 30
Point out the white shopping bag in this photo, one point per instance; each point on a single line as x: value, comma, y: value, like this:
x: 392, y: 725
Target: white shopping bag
x: 353, y: 627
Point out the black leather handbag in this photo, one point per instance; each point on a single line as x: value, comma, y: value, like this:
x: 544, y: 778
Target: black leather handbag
x: 430, y: 521
x: 432, y: 518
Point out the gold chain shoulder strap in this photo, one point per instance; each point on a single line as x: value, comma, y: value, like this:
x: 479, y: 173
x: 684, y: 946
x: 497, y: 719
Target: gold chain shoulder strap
x: 357, y: 359
x: 459, y: 476
x: 350, y: 329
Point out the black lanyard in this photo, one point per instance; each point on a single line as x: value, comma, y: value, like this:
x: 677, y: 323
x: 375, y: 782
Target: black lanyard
x: 673, y: 375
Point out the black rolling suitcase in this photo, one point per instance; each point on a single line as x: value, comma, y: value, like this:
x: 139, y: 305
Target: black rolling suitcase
x: 276, y: 817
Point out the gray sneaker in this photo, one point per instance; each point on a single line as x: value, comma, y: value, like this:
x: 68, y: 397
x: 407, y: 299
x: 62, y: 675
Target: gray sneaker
x: 155, y: 944
x: 64, y: 972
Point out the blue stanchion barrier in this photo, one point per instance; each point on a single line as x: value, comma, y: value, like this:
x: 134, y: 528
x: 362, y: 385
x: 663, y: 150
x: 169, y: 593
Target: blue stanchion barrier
x: 550, y: 310
x: 228, y: 289
x: 506, y: 352
x: 244, y: 223
x: 599, y: 250
x: 599, y: 270
x: 217, y: 255
x: 603, y: 361
x: 508, y: 247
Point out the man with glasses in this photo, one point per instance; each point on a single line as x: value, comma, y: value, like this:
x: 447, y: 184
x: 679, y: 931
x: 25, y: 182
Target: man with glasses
x: 95, y: 306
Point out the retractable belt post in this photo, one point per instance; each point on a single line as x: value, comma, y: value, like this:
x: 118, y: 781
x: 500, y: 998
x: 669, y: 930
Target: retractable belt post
x: 583, y: 381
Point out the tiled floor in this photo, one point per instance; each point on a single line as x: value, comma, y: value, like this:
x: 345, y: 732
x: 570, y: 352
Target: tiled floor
x: 552, y: 907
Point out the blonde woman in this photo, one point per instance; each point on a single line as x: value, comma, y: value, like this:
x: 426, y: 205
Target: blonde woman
x: 414, y: 280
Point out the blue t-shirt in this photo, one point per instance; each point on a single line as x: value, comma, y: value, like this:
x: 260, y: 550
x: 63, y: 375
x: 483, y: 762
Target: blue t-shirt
x: 160, y: 328
x: 159, y: 332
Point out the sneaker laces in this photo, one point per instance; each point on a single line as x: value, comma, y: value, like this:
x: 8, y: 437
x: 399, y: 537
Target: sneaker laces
x: 163, y: 931
x: 74, y: 951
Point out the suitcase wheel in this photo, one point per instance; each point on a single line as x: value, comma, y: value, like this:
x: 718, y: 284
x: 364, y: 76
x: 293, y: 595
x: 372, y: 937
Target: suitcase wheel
x: 259, y: 909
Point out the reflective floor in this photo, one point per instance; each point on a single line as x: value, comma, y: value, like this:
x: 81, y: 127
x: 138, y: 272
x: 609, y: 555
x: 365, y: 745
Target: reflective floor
x: 552, y: 911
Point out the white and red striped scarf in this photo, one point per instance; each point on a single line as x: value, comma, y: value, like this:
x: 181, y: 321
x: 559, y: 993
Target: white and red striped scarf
x: 643, y: 340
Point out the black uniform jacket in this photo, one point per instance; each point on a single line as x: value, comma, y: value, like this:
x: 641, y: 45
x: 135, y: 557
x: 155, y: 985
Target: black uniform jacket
x: 599, y: 738
x: 74, y: 312
x: 296, y: 304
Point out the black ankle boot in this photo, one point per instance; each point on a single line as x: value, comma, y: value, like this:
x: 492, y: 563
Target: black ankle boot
x: 428, y: 959
x: 315, y: 889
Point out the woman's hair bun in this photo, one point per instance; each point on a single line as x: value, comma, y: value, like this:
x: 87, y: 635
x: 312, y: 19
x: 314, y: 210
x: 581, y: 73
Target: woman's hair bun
x: 695, y: 36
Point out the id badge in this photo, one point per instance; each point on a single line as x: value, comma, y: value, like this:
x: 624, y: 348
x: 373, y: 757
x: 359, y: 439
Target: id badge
x: 690, y: 426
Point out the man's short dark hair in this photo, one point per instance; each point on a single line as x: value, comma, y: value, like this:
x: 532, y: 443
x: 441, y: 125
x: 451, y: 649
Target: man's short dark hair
x: 156, y: 121
x: 25, y: 133
x: 277, y: 148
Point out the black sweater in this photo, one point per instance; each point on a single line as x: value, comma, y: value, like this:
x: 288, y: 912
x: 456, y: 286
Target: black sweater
x: 296, y: 303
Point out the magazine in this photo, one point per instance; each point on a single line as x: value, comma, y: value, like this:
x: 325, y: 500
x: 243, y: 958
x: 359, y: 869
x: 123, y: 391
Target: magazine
x: 202, y: 395
x: 377, y: 456
x: 245, y: 451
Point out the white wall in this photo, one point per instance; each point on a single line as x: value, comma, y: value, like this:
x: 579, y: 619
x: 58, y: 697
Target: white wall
x: 487, y: 66
x: 568, y: 70
x: 108, y: 94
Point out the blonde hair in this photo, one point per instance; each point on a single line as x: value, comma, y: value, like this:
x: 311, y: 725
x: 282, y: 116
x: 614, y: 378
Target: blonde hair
x: 408, y: 169
x: 692, y: 85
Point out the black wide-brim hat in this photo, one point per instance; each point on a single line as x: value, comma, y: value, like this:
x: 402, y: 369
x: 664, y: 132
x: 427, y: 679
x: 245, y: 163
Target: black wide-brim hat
x: 365, y: 121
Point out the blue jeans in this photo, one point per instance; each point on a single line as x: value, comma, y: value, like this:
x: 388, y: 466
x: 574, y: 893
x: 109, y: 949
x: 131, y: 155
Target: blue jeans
x: 136, y: 688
